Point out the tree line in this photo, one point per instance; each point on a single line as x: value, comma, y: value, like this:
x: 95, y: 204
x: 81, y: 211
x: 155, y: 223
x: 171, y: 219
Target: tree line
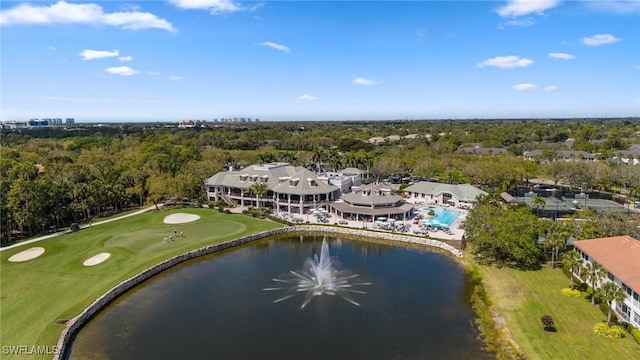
x: 508, y: 235
x: 52, y: 177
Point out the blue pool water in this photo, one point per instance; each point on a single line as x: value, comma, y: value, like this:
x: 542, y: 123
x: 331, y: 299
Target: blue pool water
x: 444, y: 217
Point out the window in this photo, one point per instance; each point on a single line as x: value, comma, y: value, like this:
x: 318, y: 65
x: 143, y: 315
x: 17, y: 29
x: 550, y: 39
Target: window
x: 610, y: 276
x: 628, y: 290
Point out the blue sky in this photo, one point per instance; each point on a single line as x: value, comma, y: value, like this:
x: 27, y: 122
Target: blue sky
x: 319, y: 60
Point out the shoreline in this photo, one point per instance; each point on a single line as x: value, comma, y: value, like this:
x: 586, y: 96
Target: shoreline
x: 76, y: 323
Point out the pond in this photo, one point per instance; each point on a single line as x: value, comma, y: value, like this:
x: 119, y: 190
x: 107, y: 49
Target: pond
x: 414, y: 305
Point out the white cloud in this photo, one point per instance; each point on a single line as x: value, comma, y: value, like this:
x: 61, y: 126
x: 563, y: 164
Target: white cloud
x: 121, y: 70
x: 615, y: 6
x: 129, y: 7
x: 86, y: 14
x: 306, y: 97
x: 550, y: 88
x: 152, y: 72
x: 520, y: 22
x: 215, y: 6
x: 563, y: 56
x: 275, y: 46
x: 125, y: 58
x: 363, y: 81
x: 600, y: 39
x: 506, y: 62
x: 637, y: 67
x: 175, y: 77
x: 524, y: 86
x: 52, y: 48
x: 87, y: 54
x: 515, y: 8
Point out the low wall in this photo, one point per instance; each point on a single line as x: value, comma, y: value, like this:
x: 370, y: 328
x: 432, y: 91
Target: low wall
x: 77, y: 322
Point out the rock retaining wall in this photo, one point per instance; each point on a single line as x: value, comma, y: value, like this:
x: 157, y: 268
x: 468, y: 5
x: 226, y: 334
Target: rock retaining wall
x: 77, y: 322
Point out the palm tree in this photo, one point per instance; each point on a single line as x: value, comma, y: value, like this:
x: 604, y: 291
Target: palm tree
x: 318, y: 156
x: 259, y: 189
x: 593, y: 273
x: 366, y: 159
x: 538, y: 202
x: 556, y: 239
x: 334, y: 159
x: 611, y: 292
x: 350, y: 159
x: 572, y: 261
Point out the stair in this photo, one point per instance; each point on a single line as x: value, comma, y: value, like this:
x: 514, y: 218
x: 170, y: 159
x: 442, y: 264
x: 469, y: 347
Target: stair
x: 228, y: 200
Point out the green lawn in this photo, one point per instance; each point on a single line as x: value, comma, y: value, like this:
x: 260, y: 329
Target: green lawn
x: 524, y: 296
x: 36, y: 293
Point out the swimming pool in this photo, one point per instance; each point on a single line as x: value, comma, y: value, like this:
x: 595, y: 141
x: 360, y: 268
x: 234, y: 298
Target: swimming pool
x: 442, y: 217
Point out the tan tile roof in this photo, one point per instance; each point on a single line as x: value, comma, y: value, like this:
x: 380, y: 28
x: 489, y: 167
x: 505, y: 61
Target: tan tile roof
x: 620, y: 255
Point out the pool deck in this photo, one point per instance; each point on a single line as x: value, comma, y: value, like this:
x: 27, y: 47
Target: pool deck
x: 455, y: 231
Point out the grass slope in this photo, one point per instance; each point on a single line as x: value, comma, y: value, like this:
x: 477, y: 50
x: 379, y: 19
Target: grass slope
x: 36, y: 293
x: 524, y: 296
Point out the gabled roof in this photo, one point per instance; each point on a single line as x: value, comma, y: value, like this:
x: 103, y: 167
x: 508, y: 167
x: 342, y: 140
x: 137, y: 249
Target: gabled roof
x: 307, y: 184
x: 351, y: 171
x: 481, y: 150
x: 372, y: 195
x: 635, y: 152
x: 279, y: 178
x: 463, y: 192
x: 565, y: 154
x: 508, y: 198
x: 620, y: 255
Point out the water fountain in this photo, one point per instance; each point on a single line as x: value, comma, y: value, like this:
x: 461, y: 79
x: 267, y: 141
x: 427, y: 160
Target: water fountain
x: 215, y: 307
x: 317, y: 277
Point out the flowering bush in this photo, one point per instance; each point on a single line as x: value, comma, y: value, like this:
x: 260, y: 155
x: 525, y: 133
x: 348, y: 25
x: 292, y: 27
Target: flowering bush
x: 547, y: 320
x: 636, y: 334
x: 611, y: 332
x: 570, y: 292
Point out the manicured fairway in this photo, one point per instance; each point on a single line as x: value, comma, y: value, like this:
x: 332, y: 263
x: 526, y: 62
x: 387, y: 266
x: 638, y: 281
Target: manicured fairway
x: 524, y: 296
x: 56, y: 285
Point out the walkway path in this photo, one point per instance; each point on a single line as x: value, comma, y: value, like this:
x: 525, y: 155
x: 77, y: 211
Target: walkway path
x: 153, y: 207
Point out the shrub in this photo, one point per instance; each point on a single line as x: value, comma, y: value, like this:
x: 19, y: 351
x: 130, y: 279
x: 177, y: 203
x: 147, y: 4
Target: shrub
x: 603, y: 306
x: 431, y: 212
x: 611, y: 332
x: 547, y: 320
x: 570, y: 292
x: 616, y: 332
x: 635, y: 333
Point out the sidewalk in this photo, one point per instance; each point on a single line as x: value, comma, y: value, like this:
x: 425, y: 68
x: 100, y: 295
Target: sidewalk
x: 153, y: 207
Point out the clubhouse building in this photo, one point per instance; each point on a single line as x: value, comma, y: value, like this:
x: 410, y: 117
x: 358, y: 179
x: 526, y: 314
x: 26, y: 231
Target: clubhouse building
x: 620, y: 256
x: 293, y: 189
x: 434, y: 193
x: 369, y: 202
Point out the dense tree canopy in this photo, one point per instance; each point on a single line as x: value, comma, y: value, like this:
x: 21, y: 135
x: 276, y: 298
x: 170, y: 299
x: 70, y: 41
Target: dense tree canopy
x: 505, y: 235
x: 50, y: 177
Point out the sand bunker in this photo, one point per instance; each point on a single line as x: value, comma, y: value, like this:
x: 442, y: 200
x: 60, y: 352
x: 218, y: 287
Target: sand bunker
x: 180, y: 218
x: 26, y: 255
x: 96, y: 259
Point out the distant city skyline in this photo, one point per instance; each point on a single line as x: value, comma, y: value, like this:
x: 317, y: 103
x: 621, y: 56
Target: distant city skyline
x: 319, y: 60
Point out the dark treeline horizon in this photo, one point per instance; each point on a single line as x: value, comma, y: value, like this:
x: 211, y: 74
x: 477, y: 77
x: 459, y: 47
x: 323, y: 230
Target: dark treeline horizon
x: 86, y: 170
